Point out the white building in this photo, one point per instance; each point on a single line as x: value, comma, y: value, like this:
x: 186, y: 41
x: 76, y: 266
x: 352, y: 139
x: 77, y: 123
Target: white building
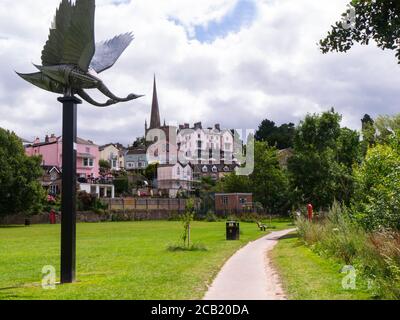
x: 175, y: 178
x: 100, y: 190
x: 211, y: 145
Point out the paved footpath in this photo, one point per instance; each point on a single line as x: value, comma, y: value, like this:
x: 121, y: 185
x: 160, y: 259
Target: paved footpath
x: 248, y: 274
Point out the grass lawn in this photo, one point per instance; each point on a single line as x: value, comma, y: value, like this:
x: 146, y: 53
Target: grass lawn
x: 127, y: 260
x: 308, y: 276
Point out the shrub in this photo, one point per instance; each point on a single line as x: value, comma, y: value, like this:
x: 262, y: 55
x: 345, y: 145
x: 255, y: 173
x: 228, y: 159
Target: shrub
x: 375, y: 255
x: 377, y: 199
x: 211, y: 217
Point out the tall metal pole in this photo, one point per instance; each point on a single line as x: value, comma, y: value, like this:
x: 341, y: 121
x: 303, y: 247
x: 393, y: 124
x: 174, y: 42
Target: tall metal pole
x: 68, y: 194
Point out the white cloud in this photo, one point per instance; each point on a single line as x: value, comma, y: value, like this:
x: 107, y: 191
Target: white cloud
x: 270, y: 69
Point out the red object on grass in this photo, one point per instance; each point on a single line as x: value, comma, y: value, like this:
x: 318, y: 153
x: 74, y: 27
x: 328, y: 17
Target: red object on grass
x: 52, y: 217
x: 310, y: 211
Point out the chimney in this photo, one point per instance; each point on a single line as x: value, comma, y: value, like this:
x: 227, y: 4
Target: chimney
x: 53, y: 138
x: 187, y: 126
x: 181, y: 127
x: 198, y: 125
x: 46, y: 139
x: 37, y: 140
x: 218, y: 127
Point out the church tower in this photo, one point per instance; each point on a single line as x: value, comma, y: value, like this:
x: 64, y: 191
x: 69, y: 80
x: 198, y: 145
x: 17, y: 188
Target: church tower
x: 155, y: 121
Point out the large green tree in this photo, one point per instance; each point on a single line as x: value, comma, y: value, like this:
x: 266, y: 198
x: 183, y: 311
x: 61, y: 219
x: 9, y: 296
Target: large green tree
x: 280, y: 137
x: 20, y: 190
x: 268, y: 182
x: 377, y: 198
x: 364, y: 21
x: 321, y: 166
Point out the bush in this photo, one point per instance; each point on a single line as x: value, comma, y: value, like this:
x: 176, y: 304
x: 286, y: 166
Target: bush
x: 211, y: 217
x: 89, y: 202
x: 377, y: 199
x: 375, y: 255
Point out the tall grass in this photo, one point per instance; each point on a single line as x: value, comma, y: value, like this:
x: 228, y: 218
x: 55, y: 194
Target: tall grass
x: 376, y: 256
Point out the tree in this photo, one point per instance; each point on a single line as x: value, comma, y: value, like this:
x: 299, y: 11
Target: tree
x: 268, y: 182
x: 377, y: 198
x: 105, y: 166
x: 187, y: 218
x: 151, y: 171
x: 281, y: 137
x: 20, y: 189
x: 366, y: 20
x: 385, y: 127
x: 140, y: 142
x: 321, y: 166
x: 368, y: 133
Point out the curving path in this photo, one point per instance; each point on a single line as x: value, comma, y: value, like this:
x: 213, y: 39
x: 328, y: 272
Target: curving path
x: 248, y: 274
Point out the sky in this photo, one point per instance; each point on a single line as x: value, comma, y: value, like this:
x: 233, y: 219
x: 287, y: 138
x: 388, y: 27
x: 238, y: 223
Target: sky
x: 233, y: 62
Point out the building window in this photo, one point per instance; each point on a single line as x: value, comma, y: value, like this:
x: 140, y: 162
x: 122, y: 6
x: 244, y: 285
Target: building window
x: 87, y: 162
x: 205, y: 169
x: 242, y: 200
x: 178, y: 171
x: 225, y: 200
x: 88, y: 150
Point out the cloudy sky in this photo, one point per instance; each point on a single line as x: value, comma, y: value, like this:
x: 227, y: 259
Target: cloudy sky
x: 233, y: 62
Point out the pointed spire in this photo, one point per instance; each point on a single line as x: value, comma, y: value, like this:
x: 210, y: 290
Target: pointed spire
x: 155, y: 121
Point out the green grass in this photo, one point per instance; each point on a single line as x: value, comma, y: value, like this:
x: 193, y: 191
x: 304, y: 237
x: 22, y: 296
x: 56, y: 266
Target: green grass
x: 308, y: 276
x: 127, y: 260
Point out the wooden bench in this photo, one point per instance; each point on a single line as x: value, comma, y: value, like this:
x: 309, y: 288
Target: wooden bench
x: 263, y: 227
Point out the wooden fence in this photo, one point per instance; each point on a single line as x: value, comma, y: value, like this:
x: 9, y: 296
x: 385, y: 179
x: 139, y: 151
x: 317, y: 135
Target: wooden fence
x: 140, y: 204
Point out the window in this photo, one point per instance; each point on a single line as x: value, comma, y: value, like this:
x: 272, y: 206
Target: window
x: 225, y: 200
x: 204, y: 169
x: 178, y: 171
x: 214, y: 169
x: 88, y: 150
x: 242, y: 200
x: 113, y: 164
x: 87, y: 162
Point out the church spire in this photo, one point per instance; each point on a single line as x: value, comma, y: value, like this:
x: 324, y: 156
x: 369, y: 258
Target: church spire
x: 155, y: 121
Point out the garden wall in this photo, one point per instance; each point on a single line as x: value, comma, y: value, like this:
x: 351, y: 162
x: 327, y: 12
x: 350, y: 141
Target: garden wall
x: 119, y: 209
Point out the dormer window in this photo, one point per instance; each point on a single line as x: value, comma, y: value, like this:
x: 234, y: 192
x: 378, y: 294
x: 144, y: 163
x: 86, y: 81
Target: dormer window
x: 205, y: 169
x: 214, y: 169
x: 226, y: 169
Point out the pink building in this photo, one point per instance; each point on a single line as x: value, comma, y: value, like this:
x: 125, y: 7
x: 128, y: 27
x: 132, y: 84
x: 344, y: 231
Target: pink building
x: 88, y: 155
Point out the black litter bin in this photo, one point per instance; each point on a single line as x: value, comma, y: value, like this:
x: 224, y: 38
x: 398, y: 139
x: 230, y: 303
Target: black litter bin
x: 27, y: 222
x: 232, y: 230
